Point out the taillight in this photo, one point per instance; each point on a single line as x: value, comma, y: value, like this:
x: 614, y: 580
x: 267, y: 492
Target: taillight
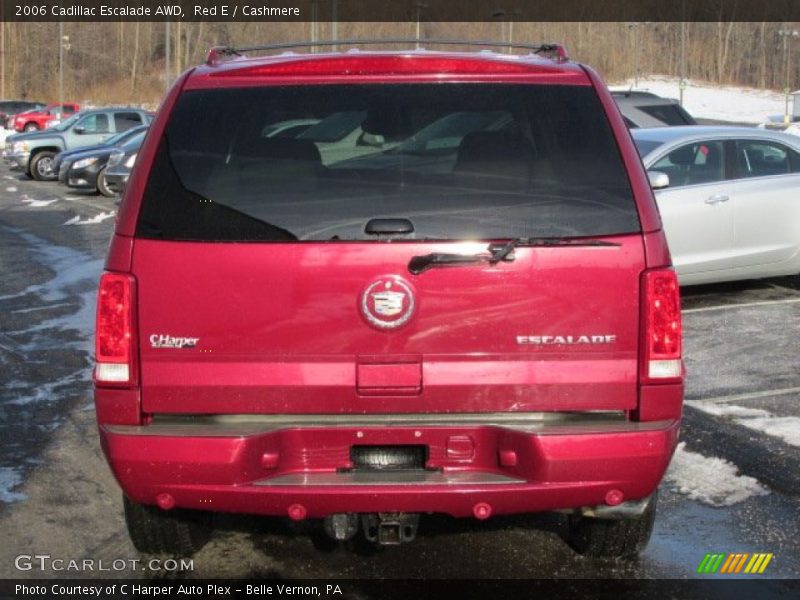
x: 114, y: 334
x: 662, y: 325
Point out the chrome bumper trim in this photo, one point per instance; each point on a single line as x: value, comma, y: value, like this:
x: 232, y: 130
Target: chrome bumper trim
x: 252, y: 425
x: 417, y: 477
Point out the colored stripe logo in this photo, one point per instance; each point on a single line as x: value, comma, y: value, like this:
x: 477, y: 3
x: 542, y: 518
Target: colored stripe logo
x: 733, y: 563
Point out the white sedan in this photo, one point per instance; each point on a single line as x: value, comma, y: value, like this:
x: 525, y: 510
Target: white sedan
x: 729, y: 198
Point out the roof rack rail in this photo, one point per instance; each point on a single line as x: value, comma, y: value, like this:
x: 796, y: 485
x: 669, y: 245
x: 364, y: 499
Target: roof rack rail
x: 552, y: 50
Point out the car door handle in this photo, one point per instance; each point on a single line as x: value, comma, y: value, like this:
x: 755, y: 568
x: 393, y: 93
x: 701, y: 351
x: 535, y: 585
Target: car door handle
x: 717, y: 199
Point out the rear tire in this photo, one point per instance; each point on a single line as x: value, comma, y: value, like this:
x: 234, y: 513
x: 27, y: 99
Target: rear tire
x: 102, y: 186
x: 611, y: 538
x: 178, y: 532
x: 30, y: 127
x: 42, y: 166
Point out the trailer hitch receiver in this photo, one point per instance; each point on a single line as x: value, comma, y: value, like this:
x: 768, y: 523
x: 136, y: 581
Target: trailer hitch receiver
x: 390, y: 529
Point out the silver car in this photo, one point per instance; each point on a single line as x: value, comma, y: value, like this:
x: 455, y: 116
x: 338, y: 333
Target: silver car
x: 729, y: 198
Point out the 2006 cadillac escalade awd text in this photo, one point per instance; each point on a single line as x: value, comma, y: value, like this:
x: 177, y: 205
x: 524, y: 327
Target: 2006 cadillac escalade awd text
x: 471, y: 311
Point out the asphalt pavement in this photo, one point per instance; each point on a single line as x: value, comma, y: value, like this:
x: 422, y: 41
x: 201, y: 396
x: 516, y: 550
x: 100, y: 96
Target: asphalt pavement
x: 733, y: 486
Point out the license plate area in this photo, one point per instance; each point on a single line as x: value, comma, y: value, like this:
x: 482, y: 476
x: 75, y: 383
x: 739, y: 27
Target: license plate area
x: 389, y: 458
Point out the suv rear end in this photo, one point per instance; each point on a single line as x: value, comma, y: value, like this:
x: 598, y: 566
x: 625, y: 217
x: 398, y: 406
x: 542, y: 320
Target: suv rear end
x: 483, y: 324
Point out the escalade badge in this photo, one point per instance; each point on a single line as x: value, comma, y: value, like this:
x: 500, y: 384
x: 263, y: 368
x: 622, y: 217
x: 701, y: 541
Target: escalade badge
x: 388, y: 302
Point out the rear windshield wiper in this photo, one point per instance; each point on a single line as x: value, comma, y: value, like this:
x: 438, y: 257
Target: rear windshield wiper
x: 495, y: 254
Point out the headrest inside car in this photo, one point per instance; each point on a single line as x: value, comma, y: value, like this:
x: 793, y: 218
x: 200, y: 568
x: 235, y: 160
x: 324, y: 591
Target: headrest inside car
x: 389, y: 122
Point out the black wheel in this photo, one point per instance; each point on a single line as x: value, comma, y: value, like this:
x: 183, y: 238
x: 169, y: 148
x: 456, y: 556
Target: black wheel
x: 178, y: 532
x: 42, y: 166
x: 611, y: 538
x: 102, y: 186
x: 31, y: 127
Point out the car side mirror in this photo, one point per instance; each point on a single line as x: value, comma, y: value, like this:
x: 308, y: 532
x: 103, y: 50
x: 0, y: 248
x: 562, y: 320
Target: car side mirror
x: 80, y: 130
x: 658, y: 180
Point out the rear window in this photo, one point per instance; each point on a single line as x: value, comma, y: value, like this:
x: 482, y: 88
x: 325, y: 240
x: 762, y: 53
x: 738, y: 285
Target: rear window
x: 127, y: 120
x: 460, y: 161
x: 671, y: 114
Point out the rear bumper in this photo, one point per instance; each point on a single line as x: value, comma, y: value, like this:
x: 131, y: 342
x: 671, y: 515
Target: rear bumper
x: 267, y: 469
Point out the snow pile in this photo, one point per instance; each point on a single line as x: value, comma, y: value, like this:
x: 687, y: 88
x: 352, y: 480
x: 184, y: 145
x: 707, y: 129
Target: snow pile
x: 794, y: 129
x: 712, y: 481
x: 709, y: 101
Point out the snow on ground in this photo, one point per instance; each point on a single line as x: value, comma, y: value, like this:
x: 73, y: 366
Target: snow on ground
x: 710, y: 101
x: 99, y: 218
x: 757, y: 419
x: 9, y: 479
x: 785, y: 428
x: 72, y: 270
x: 727, y: 410
x: 712, y: 481
x: 33, y: 203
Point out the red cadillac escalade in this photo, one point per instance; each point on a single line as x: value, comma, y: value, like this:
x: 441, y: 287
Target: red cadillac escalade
x: 461, y: 302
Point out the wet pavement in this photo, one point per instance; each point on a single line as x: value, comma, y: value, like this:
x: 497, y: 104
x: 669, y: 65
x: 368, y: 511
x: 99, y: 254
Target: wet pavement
x: 734, y: 486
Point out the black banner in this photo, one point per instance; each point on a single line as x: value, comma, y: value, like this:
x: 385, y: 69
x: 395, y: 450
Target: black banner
x: 129, y: 589
x: 398, y: 10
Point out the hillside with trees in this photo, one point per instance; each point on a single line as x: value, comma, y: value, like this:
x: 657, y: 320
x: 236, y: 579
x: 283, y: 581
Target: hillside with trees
x: 125, y: 62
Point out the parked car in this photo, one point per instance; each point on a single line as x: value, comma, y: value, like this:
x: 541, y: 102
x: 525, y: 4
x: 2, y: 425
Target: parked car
x: 120, y: 164
x: 63, y: 160
x: 262, y: 348
x: 86, y: 169
x: 645, y: 109
x: 8, y: 123
x: 11, y: 108
x: 728, y: 199
x: 34, y: 152
x: 33, y: 120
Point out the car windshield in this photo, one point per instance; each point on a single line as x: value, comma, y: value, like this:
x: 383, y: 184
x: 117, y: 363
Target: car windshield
x: 461, y: 161
x: 64, y: 125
